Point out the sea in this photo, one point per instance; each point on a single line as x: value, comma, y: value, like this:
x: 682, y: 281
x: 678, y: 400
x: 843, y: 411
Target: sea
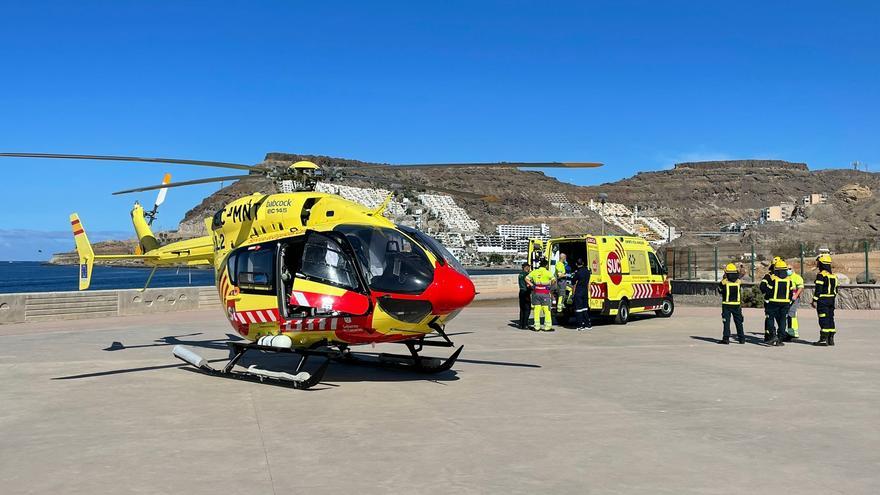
x: 37, y: 276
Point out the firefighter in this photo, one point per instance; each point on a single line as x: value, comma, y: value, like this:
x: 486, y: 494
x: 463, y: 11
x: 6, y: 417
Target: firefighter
x: 581, y: 281
x: 539, y: 280
x: 824, y: 296
x: 778, y: 295
x: 765, y: 282
x: 730, y: 289
x: 562, y: 281
x: 797, y: 288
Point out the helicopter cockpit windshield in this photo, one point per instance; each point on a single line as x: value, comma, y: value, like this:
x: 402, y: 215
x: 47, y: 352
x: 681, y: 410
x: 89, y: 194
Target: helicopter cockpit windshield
x: 439, y: 251
x: 390, y: 260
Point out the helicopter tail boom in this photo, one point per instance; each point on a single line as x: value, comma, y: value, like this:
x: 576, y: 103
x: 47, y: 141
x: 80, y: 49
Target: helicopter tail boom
x: 142, y: 228
x: 84, y: 250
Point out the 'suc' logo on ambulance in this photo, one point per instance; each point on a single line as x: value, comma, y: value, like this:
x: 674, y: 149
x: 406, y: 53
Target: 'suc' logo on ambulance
x: 614, y: 268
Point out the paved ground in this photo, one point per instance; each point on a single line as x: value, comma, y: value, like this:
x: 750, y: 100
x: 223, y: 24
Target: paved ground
x: 652, y: 407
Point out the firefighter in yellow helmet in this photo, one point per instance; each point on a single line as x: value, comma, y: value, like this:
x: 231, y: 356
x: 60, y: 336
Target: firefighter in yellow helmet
x: 540, y: 280
x: 730, y: 289
x: 824, y: 297
x: 765, y: 283
x: 778, y: 295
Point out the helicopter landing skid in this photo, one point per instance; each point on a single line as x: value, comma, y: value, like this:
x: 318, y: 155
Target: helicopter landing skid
x: 411, y: 362
x: 299, y: 379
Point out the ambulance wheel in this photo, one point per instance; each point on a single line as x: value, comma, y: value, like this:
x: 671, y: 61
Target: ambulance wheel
x: 666, y: 309
x: 622, y: 313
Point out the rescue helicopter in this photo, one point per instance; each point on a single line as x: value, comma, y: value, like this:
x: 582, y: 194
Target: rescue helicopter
x: 310, y: 273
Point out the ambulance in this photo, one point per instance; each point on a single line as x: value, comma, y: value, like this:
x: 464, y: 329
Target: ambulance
x: 627, y: 277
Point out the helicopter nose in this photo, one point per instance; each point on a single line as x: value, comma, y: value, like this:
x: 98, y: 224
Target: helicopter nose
x: 455, y: 290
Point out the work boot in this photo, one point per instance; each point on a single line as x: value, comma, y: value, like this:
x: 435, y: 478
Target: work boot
x: 725, y: 341
x: 780, y: 343
x: 766, y: 337
x: 823, y: 339
x: 742, y: 340
x: 786, y: 337
x: 830, y: 338
x: 549, y: 329
x: 773, y: 342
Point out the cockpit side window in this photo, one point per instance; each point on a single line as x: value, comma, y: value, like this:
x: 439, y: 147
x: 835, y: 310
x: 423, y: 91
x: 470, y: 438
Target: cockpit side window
x: 252, y: 268
x: 390, y: 260
x: 323, y: 260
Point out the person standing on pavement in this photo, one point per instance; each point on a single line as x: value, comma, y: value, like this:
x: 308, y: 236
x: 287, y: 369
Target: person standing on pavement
x: 778, y: 295
x: 730, y: 289
x: 824, y: 297
x: 525, y: 297
x: 581, y: 281
x: 797, y: 287
x: 539, y: 280
x: 765, y: 286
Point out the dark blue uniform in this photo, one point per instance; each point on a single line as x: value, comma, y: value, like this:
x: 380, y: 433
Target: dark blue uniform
x: 581, y: 279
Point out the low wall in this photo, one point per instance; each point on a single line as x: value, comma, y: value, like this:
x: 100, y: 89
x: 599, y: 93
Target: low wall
x: 43, y: 306
x: 703, y: 292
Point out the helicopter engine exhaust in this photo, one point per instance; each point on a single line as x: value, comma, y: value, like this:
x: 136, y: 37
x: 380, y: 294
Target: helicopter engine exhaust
x: 186, y: 355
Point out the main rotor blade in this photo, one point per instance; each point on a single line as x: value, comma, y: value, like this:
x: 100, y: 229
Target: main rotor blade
x: 187, y: 183
x: 416, y: 185
x: 492, y: 165
x: 202, y: 163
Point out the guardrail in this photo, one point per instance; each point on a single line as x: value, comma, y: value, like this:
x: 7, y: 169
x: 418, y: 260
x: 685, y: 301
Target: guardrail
x: 44, y: 306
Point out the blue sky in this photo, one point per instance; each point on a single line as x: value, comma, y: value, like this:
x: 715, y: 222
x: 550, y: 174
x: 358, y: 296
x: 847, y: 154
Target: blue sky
x: 636, y: 85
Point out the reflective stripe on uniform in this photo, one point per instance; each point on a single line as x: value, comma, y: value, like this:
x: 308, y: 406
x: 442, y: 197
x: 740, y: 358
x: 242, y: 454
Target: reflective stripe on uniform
x: 781, y: 290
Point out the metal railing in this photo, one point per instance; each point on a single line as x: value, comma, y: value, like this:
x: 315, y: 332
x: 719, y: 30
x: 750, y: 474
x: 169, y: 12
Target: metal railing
x: 855, y: 260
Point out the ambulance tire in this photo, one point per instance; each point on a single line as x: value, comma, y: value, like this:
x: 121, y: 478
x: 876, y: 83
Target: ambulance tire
x: 622, y: 313
x: 666, y: 308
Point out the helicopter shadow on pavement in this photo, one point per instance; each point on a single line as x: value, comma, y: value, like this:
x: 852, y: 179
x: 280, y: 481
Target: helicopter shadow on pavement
x: 172, y: 340
x: 336, y: 372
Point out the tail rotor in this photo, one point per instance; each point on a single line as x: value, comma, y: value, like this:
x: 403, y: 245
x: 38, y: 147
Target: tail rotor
x: 160, y: 198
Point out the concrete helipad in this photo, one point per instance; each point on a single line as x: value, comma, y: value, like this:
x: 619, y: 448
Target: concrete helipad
x: 651, y: 407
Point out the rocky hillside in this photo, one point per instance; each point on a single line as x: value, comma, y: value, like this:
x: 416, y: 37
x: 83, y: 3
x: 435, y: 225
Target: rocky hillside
x: 706, y: 196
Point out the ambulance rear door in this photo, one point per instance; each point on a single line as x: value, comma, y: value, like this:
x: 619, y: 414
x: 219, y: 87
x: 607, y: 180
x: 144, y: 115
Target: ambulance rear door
x: 598, y: 286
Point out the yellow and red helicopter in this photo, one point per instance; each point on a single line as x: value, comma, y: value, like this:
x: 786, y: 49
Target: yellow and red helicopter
x: 310, y: 273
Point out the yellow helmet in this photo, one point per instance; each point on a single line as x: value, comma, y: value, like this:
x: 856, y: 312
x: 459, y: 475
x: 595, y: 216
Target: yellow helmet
x: 780, y: 265
x: 825, y: 259
x: 730, y: 268
x: 776, y: 259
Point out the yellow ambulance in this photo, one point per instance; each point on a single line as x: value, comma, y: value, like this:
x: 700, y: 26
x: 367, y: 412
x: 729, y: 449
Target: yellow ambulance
x: 627, y: 277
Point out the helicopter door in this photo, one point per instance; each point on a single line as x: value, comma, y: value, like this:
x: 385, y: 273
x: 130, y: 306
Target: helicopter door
x: 325, y: 281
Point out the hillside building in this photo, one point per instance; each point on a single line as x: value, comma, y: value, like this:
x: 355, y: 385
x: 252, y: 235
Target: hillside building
x: 778, y: 213
x: 815, y: 199
x: 524, y: 231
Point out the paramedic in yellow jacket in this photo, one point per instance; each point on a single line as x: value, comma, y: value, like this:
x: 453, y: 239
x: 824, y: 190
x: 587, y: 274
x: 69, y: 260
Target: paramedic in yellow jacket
x: 797, y: 288
x: 540, y: 280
